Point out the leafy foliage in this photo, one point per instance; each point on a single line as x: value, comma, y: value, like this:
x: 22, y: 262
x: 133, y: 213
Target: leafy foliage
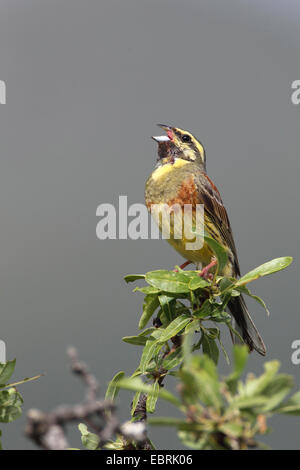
x: 223, y: 413
x: 187, y: 312
x: 10, y: 399
x: 229, y: 413
x: 89, y: 440
x: 183, y: 300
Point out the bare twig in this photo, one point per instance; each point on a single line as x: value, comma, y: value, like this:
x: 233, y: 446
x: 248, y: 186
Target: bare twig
x: 80, y: 369
x: 48, y: 430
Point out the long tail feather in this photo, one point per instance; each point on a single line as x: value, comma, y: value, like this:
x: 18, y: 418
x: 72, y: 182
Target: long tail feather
x: 245, y: 325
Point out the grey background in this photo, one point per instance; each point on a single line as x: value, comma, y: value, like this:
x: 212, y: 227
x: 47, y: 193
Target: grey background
x: 86, y: 83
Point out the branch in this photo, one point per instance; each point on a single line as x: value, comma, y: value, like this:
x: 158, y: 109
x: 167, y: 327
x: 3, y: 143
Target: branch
x: 48, y: 430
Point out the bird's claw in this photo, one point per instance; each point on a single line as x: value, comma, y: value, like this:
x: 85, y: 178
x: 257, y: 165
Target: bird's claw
x: 205, y: 271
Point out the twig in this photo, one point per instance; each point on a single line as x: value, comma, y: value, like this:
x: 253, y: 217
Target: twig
x: 79, y: 368
x: 48, y: 430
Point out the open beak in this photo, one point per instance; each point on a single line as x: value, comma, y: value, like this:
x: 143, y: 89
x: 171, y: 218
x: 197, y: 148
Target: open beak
x: 164, y: 138
x: 160, y: 138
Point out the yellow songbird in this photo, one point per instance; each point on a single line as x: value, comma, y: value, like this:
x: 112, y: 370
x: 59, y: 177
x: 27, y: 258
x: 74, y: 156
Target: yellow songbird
x: 180, y: 179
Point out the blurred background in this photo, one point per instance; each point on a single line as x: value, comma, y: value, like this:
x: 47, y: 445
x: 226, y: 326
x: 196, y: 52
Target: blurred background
x: 86, y: 83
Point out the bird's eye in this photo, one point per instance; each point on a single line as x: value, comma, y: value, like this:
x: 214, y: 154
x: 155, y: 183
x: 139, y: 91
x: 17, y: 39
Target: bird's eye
x: 186, y: 138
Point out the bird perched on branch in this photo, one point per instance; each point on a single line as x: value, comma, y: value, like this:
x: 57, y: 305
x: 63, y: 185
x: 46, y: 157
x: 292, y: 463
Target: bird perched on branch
x: 180, y: 179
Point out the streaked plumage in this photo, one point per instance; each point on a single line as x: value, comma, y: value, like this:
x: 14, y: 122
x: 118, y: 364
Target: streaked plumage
x: 180, y: 178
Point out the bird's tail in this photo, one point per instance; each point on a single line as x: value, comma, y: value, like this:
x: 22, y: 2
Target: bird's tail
x: 245, y: 325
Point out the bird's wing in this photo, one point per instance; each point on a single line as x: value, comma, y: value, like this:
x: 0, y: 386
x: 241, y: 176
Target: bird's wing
x: 214, y: 209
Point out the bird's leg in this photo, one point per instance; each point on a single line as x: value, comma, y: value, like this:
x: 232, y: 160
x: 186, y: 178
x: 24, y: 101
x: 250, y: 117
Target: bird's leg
x: 204, y: 273
x: 183, y: 265
x: 186, y: 263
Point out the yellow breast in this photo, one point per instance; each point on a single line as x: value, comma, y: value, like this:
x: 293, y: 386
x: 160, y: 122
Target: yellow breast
x: 164, y: 169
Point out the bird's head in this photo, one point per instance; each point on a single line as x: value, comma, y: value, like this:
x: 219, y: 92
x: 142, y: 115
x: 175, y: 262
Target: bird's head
x: 178, y: 143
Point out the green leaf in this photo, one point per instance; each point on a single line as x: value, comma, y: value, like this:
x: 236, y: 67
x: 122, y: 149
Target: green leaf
x: 187, y: 340
x: 175, y: 327
x: 169, y: 281
x: 10, y: 397
x: 150, y: 305
x: 192, y: 327
x: 260, y: 301
x: 206, y: 364
x: 257, y: 386
x: 9, y: 413
x: 147, y: 290
x: 137, y: 385
x: 276, y: 391
x: 201, y: 379
x: 221, y: 317
x: 152, y: 398
x: 204, y: 311
x: 6, y: 371
x: 292, y: 406
x: 224, y: 351
x: 231, y: 429
x: 212, y: 333
x: 193, y: 441
x: 168, y: 305
x: 198, y: 282
x: 270, y: 267
x: 136, y: 373
x: 235, y: 293
x: 151, y: 348
x: 173, y: 359
x: 134, y: 277
x: 118, y: 444
x: 247, y: 402
x: 112, y: 389
x: 89, y: 440
x: 135, y: 402
x: 226, y: 283
x: 219, y: 251
x: 246, y: 291
x: 240, y: 358
x: 137, y: 340
x: 148, y: 331
x: 10, y: 405
x: 234, y: 331
x: 210, y: 348
x: 141, y: 338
